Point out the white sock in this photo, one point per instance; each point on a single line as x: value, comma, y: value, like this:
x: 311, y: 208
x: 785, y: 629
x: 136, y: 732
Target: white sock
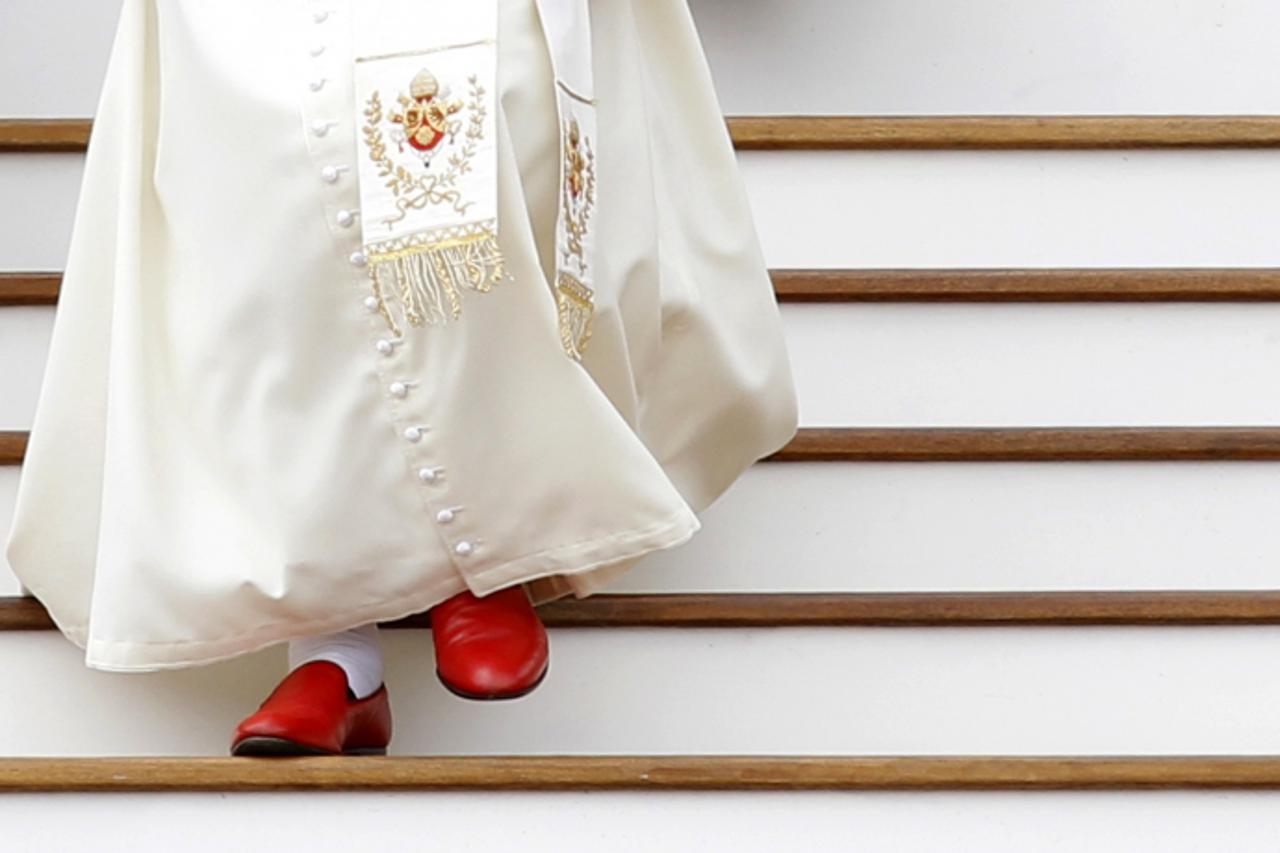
x: 357, y: 650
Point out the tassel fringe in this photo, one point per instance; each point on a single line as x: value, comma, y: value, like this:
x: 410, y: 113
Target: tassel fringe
x: 425, y: 273
x: 574, y: 306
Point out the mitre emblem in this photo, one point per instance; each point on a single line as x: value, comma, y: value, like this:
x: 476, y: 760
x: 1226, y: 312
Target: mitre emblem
x: 424, y: 116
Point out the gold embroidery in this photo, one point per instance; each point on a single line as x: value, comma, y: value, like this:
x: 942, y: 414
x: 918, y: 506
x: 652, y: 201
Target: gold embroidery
x: 579, y: 187
x: 574, y: 297
x: 419, y: 52
x: 418, y: 191
x: 425, y: 118
x: 573, y: 305
x: 426, y: 270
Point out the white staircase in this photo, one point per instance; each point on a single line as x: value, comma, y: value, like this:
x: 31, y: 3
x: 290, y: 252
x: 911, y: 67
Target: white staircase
x: 932, y: 623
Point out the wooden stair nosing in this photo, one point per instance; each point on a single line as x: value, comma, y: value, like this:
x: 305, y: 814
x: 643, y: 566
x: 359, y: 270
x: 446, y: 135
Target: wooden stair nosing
x: 638, y: 772
x: 981, y: 444
x: 1030, y: 444
x: 817, y: 132
x: 1099, y: 284
x: 853, y: 609
x: 1000, y: 132
x: 29, y: 288
x: 44, y: 135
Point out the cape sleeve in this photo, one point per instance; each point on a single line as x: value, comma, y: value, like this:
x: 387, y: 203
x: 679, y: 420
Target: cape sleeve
x: 714, y: 385
x: 53, y: 540
x: 721, y: 395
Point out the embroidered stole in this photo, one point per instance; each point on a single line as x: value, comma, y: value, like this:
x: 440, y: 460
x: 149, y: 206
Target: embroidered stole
x: 425, y: 109
x: 568, y: 28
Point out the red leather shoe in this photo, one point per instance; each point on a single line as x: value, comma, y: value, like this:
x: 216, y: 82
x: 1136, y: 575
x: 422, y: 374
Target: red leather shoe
x: 312, y: 712
x: 489, y: 647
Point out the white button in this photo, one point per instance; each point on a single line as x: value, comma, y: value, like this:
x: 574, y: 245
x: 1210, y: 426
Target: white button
x: 330, y: 173
x: 463, y: 547
x: 383, y: 346
x: 320, y: 128
x: 345, y: 218
x: 358, y: 258
x: 413, y: 433
x: 444, y: 516
x: 371, y: 302
x: 320, y: 16
x: 399, y: 389
x: 317, y: 50
x: 427, y: 475
x: 317, y: 85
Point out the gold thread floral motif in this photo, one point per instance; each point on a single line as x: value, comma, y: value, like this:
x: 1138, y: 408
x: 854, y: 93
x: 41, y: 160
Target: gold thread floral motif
x: 426, y: 270
x: 573, y: 296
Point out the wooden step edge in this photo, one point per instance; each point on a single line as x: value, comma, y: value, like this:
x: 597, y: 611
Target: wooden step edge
x: 855, y: 133
x: 1098, y: 284
x: 44, y: 135
x: 29, y: 288
x: 996, y: 132
x: 1150, y: 284
x: 981, y: 444
x: 854, y: 609
x: 918, y: 609
x: 636, y: 772
x: 1030, y: 444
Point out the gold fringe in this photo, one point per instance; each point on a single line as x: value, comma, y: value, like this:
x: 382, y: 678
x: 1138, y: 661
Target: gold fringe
x: 427, y: 271
x: 575, y: 308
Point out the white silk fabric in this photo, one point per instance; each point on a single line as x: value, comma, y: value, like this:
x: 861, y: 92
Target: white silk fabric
x: 231, y: 448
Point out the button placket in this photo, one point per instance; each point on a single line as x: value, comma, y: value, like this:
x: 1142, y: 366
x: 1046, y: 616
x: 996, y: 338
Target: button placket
x: 416, y: 432
x: 466, y: 547
x: 400, y: 388
x: 448, y: 514
x: 430, y: 474
x: 335, y: 152
x: 331, y: 173
x: 320, y: 83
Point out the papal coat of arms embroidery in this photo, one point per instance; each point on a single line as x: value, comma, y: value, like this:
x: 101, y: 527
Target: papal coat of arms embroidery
x: 425, y: 115
x: 577, y: 193
x: 428, y: 181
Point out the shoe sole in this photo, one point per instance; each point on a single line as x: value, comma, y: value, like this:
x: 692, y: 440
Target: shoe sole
x: 493, y: 697
x: 264, y: 745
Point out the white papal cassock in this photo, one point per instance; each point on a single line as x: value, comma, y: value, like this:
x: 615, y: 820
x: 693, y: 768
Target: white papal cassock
x: 238, y: 441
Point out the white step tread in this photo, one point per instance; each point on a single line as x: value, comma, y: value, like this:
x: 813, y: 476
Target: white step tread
x: 1094, y: 690
x: 624, y: 821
